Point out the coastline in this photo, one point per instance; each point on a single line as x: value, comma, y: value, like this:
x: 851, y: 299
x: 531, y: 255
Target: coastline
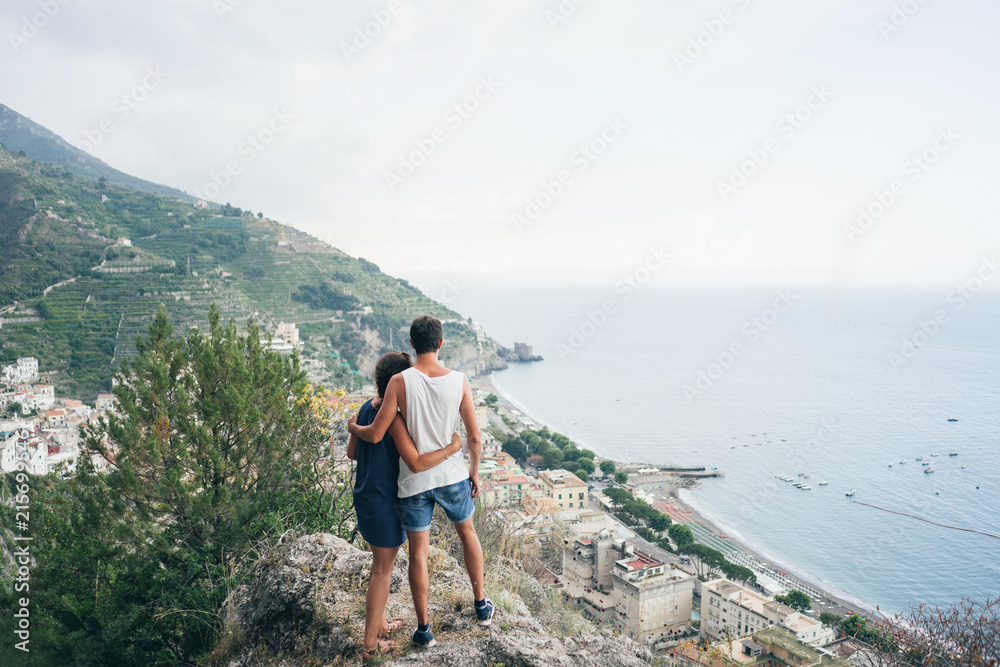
x: 836, y: 600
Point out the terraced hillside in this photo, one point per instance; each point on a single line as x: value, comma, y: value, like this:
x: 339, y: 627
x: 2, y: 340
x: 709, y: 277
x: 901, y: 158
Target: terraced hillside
x: 84, y: 264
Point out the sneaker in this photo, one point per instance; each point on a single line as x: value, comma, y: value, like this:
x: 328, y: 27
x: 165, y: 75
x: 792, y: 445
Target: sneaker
x: 484, y: 614
x: 423, y: 638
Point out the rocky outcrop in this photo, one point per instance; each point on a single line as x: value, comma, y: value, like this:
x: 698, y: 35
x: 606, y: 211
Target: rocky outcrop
x: 304, y: 606
x: 521, y: 353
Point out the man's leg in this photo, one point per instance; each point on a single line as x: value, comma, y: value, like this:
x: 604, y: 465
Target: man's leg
x: 420, y: 546
x: 472, y: 552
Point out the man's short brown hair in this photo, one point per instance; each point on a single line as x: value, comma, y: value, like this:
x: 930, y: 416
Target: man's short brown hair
x: 426, y: 334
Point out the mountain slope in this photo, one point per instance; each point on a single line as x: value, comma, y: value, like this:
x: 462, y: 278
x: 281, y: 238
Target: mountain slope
x: 19, y: 133
x: 84, y: 266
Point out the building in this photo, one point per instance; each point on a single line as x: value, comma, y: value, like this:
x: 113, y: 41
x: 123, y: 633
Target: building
x: 24, y: 369
x: 645, y: 598
x: 564, y: 487
x: 771, y: 647
x: 730, y: 609
x: 123, y: 242
x: 482, y: 414
x: 104, y: 402
x: 288, y: 332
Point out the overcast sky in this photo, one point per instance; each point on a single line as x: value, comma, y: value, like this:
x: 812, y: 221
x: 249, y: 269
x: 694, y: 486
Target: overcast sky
x: 667, y: 121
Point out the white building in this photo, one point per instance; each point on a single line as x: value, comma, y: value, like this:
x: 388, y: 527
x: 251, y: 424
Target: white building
x: 565, y: 488
x: 24, y: 370
x: 288, y: 332
x: 727, y: 607
x: 612, y: 582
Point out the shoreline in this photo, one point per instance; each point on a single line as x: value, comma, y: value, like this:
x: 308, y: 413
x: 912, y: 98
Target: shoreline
x: 836, y: 600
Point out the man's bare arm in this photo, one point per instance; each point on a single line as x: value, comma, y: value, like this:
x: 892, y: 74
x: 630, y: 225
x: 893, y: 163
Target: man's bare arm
x: 375, y: 431
x: 467, y: 410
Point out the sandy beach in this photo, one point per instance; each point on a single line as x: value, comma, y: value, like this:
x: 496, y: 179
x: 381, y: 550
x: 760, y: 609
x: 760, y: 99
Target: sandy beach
x: 828, y: 602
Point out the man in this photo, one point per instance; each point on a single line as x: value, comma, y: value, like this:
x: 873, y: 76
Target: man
x: 431, y: 399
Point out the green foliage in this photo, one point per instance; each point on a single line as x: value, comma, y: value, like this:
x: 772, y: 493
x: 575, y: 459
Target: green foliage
x: 325, y: 296
x: 795, y: 599
x: 618, y: 496
x: 586, y: 464
x: 621, y: 477
x: 681, y: 534
x: 830, y: 619
x: 582, y: 474
x: 217, y: 443
x: 491, y: 400
x: 608, y: 467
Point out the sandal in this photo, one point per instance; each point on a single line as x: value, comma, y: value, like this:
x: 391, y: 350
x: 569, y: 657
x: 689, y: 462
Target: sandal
x: 393, y: 626
x: 371, y: 656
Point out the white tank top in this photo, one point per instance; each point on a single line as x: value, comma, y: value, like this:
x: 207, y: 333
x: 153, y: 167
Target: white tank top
x: 431, y: 419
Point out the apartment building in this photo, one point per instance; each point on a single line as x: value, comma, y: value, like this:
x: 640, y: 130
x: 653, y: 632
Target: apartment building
x: 564, y: 487
x: 730, y: 609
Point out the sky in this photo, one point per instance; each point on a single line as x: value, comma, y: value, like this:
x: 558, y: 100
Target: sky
x: 841, y: 142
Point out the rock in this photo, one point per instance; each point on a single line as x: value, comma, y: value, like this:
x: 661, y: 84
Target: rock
x: 304, y: 606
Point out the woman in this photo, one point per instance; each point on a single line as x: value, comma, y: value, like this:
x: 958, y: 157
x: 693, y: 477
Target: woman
x: 375, y: 492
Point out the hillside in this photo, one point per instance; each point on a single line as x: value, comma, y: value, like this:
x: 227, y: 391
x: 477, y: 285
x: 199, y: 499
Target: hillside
x: 75, y: 296
x: 19, y: 133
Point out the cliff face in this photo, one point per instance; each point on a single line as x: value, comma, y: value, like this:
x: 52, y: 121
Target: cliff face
x: 305, y: 606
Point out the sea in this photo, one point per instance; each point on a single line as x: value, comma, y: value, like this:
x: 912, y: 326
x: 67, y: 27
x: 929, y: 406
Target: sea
x: 851, y: 387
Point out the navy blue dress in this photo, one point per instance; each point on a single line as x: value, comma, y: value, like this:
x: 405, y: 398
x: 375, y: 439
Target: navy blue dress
x: 376, y: 488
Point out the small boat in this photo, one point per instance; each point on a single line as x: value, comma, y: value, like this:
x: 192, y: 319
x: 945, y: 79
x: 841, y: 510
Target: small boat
x: 953, y: 454
x: 928, y: 470
x: 805, y: 487
x: 964, y: 466
x: 933, y: 454
x: 902, y: 462
x: 920, y: 458
x: 953, y: 420
x: 926, y: 463
x: 850, y: 493
x: 823, y: 483
x: 890, y: 465
x: 938, y: 492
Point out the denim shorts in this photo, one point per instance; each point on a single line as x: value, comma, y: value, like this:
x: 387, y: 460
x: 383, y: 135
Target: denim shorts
x: 455, y: 499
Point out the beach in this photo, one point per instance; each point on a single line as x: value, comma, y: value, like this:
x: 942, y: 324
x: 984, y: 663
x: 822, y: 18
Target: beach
x: 672, y: 492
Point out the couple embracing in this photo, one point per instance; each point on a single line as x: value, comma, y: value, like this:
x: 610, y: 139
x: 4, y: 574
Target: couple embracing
x: 409, y: 458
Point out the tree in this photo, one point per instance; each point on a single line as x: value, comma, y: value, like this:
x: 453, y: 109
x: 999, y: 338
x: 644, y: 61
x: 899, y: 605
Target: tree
x: 217, y: 442
x: 660, y: 522
x: 965, y: 635
x: 618, y: 496
x: 795, y: 599
x: 492, y: 400
x: 535, y: 460
x: 582, y: 474
x: 15, y: 408
x: 553, y: 457
x: 587, y: 454
x: 621, y: 477
x: 680, y: 534
x: 608, y: 467
x: 586, y: 464
x: 830, y: 619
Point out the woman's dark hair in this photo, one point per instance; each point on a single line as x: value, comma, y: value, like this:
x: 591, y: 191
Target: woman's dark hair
x: 390, y: 364
x: 425, y: 334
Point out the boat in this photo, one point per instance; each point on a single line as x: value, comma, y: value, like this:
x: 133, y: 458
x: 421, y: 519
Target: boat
x: 928, y: 470
x: 964, y: 466
x: 920, y: 458
x: 926, y: 463
x: 805, y: 487
x: 902, y: 462
x: 933, y: 454
x: 953, y: 420
x: 953, y: 454
x: 824, y: 483
x: 938, y: 492
x: 890, y: 465
x: 850, y: 493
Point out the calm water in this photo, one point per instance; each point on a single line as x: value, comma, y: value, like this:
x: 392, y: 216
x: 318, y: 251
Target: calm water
x: 812, y: 390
